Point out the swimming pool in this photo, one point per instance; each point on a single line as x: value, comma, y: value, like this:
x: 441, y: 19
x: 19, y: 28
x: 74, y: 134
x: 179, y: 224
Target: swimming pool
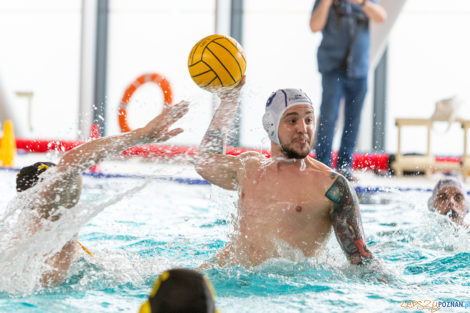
x: 163, y: 224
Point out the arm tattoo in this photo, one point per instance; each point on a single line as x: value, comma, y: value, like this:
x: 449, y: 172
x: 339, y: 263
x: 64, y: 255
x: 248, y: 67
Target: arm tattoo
x: 346, y: 221
x: 214, y: 141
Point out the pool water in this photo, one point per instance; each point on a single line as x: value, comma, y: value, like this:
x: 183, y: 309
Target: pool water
x: 165, y: 224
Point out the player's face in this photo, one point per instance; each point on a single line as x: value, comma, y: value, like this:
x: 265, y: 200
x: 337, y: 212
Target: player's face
x: 296, y: 131
x: 450, y: 201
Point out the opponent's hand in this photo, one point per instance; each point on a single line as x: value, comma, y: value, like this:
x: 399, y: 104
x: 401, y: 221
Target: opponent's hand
x: 158, y: 128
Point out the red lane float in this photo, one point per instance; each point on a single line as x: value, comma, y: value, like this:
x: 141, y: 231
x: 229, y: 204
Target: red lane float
x: 156, y: 78
x: 371, y: 161
x: 374, y: 161
x: 43, y: 146
x: 150, y: 151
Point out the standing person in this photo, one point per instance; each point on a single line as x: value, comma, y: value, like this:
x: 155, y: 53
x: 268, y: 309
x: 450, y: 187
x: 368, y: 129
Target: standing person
x: 343, y: 61
x: 288, y: 199
x: 61, y: 189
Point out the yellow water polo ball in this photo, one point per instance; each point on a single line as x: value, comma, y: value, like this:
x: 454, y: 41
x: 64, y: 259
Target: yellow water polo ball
x: 217, y: 62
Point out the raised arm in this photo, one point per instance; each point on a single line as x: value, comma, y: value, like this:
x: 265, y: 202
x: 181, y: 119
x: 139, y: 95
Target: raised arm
x: 211, y: 161
x: 93, y: 152
x: 346, y: 221
x: 320, y: 15
x: 65, y: 187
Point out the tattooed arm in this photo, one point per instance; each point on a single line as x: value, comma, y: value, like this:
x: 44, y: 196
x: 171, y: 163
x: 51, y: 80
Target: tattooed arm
x: 346, y: 221
x: 211, y: 161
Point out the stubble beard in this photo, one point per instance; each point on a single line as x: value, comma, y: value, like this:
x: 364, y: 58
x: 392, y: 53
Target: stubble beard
x: 292, y: 154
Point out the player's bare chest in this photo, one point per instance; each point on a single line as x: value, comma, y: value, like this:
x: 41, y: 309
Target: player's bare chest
x: 290, y: 194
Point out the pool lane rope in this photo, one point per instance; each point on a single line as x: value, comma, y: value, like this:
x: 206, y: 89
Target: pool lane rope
x: 199, y: 181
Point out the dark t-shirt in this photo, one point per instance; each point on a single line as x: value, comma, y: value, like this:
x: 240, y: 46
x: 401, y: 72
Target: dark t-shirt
x: 346, y: 24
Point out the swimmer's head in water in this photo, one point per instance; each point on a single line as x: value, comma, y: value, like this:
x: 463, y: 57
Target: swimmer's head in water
x: 182, y: 291
x: 277, y: 104
x: 28, y: 176
x: 448, y: 198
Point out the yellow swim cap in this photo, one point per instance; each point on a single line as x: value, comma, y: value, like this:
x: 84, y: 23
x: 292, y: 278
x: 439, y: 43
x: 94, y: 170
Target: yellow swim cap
x: 28, y: 176
x: 182, y: 291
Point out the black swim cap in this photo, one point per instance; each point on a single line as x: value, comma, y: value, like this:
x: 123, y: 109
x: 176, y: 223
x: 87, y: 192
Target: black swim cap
x: 182, y: 291
x: 28, y: 176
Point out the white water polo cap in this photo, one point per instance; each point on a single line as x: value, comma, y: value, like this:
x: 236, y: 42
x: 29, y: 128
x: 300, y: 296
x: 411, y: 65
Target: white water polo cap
x: 277, y: 104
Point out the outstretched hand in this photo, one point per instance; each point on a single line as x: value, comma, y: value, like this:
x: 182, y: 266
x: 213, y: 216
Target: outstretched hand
x: 157, y: 130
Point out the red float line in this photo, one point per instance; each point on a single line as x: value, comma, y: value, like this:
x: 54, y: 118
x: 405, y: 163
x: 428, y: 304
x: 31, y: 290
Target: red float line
x: 151, y: 151
x: 43, y: 146
x: 373, y: 161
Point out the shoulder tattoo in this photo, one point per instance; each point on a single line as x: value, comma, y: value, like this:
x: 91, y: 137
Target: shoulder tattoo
x: 339, y: 191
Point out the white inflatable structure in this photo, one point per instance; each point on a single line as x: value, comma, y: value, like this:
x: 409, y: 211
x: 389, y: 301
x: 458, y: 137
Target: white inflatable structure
x: 381, y: 32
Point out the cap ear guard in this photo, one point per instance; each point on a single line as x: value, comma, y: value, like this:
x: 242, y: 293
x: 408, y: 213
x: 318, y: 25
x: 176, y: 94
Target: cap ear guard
x: 270, y: 126
x: 268, y: 123
x: 431, y: 204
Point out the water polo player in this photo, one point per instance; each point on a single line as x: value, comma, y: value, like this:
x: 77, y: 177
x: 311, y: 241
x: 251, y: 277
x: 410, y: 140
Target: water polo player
x: 62, y: 187
x: 289, y: 200
x: 449, y: 198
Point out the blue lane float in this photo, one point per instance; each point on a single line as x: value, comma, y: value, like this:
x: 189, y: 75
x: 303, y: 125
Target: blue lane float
x: 200, y: 181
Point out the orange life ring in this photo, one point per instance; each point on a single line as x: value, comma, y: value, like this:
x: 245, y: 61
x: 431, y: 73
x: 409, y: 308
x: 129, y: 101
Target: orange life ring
x: 158, y: 79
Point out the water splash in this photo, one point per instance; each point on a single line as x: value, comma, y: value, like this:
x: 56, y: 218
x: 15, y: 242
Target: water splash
x: 303, y: 165
x: 111, y: 269
x: 422, y: 250
x: 26, y: 240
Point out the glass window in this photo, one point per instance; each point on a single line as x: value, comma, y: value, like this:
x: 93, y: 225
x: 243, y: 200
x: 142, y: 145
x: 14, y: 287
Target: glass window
x: 40, y: 54
x: 147, y: 36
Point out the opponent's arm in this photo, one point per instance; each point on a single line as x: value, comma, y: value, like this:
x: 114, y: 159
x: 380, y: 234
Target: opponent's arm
x: 346, y: 220
x: 59, y: 264
x: 93, y: 152
x: 211, y: 161
x: 64, y: 189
